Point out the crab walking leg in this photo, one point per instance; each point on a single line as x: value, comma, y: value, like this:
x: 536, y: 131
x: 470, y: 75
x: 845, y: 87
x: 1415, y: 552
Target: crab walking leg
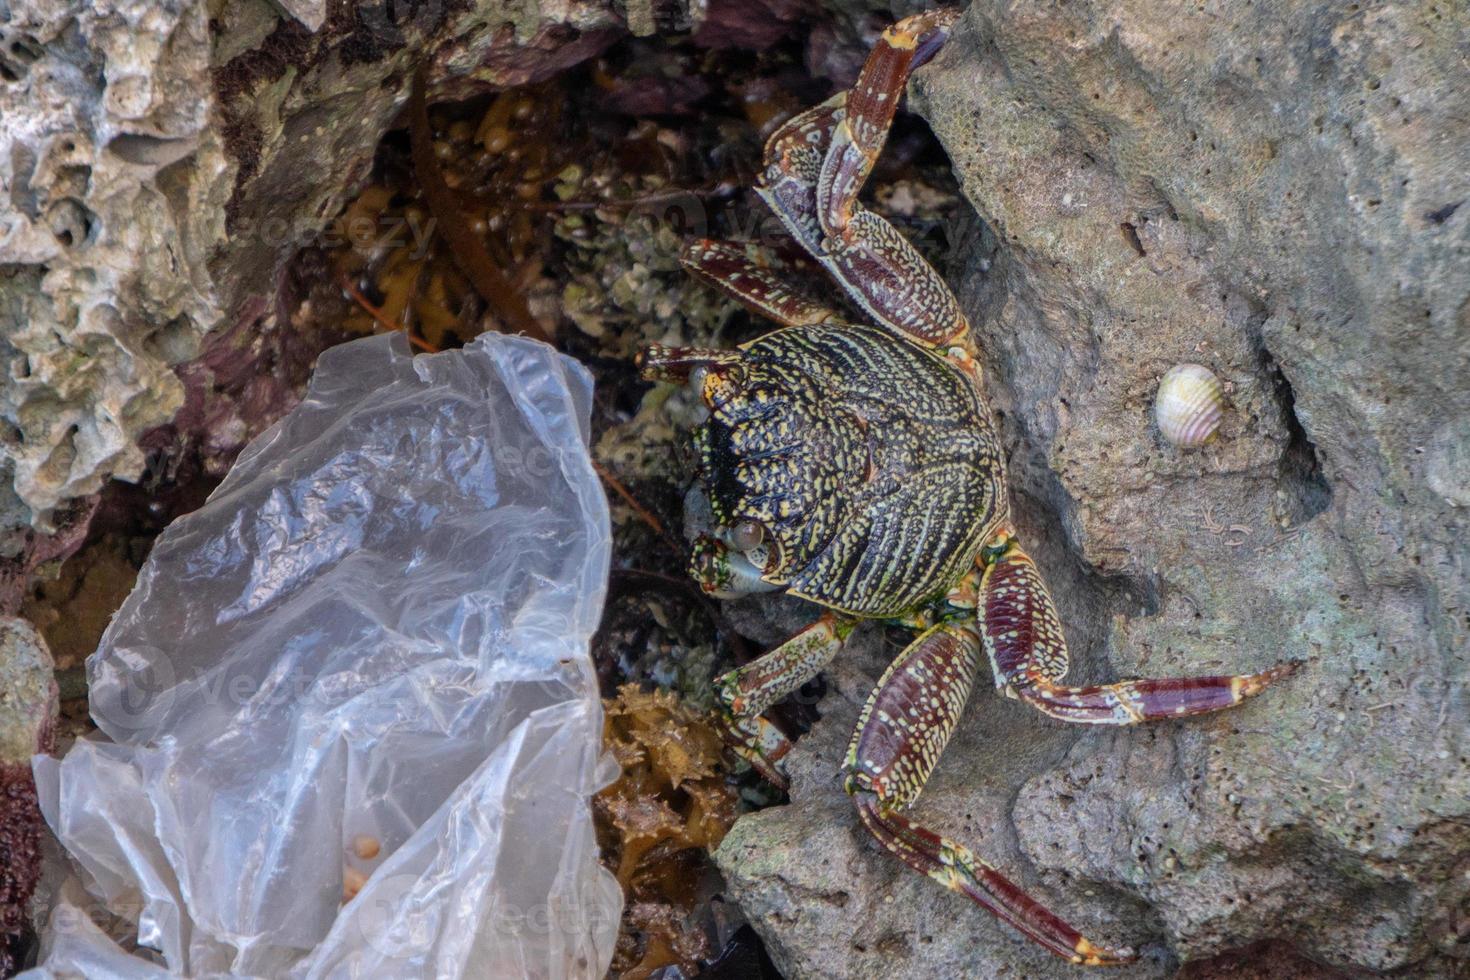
x: 900, y: 735
x: 726, y: 266
x: 745, y: 693
x: 677, y: 365
x: 954, y: 867
x: 882, y: 271
x: 1028, y: 653
x: 751, y: 689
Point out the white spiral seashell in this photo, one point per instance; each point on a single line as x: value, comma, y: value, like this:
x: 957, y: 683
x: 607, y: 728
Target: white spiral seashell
x: 1189, y: 405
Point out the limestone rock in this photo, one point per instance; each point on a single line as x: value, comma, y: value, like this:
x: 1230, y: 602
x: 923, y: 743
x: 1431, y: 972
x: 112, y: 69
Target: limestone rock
x: 1274, y: 191
x: 99, y: 292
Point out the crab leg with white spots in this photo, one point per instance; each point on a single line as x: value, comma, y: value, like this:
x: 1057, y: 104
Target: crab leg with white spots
x: 1028, y: 654
x: 818, y: 162
x: 899, y: 738
x: 747, y: 692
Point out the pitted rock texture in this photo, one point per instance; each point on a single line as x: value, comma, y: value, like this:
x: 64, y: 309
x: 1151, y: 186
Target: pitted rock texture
x: 159, y: 163
x: 107, y: 166
x: 1274, y: 191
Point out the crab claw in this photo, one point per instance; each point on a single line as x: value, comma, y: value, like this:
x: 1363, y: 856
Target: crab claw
x: 723, y: 573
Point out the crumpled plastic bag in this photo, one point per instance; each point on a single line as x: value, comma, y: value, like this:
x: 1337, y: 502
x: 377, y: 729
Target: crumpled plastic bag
x: 363, y: 663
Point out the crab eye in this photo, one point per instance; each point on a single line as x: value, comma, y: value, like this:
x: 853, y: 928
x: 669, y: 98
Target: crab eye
x: 746, y: 534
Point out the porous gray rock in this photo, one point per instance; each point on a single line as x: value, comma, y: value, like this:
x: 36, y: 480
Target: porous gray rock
x: 1275, y: 191
x: 830, y: 903
x: 160, y: 162
x: 27, y: 692
x: 102, y: 278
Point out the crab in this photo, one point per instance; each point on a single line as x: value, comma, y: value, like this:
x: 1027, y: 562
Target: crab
x: 855, y: 465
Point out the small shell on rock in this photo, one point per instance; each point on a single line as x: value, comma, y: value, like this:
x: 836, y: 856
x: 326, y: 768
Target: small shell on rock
x: 1189, y: 405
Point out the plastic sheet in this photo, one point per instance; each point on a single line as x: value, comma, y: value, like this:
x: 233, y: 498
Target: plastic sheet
x: 363, y: 663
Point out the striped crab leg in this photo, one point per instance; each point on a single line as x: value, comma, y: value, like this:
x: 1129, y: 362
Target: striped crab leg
x: 858, y: 136
x: 760, y: 288
x: 902, y: 731
x: 816, y: 165
x: 793, y: 160
x: 1023, y: 638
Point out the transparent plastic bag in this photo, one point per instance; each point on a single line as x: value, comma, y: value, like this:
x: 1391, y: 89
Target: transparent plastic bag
x: 364, y: 663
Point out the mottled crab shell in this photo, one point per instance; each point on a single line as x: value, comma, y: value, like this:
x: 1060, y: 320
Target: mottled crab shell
x: 1189, y: 405
x: 869, y: 461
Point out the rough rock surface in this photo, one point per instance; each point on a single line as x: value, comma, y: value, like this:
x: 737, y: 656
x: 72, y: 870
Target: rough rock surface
x: 1276, y: 191
x: 27, y: 720
x: 93, y: 301
x: 151, y: 186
